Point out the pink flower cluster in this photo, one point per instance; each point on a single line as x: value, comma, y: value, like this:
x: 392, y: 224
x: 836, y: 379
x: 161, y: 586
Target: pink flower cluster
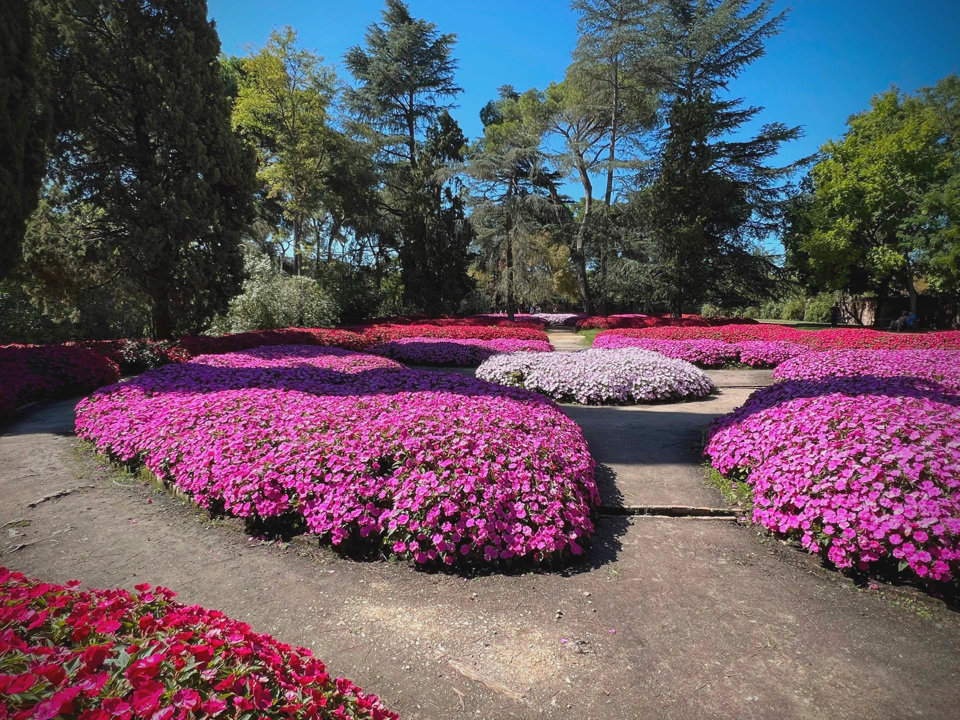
x: 452, y: 352
x: 437, y: 467
x: 629, y: 320
x: 864, y: 467
x: 48, y: 372
x: 830, y: 339
x: 113, y: 655
x: 709, y: 353
x: 600, y: 377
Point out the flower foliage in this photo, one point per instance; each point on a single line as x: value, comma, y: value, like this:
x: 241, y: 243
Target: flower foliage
x: 710, y: 353
x: 451, y: 352
x: 113, y: 655
x: 599, y: 377
x: 48, y: 372
x: 436, y: 467
x: 857, y: 455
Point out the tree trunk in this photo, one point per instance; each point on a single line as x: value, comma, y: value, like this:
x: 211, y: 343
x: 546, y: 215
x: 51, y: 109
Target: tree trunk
x: 162, y: 318
x: 509, y: 228
x: 577, y: 256
x: 911, y: 288
x: 881, y: 300
x: 614, y: 128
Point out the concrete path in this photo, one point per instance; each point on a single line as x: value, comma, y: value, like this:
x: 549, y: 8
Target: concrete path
x: 667, y: 618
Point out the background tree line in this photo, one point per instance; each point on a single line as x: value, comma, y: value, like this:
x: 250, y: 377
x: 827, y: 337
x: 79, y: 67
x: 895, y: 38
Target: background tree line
x: 151, y: 184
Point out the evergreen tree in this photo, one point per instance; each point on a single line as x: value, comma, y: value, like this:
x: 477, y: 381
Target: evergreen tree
x: 405, y: 84
x: 23, y: 119
x: 144, y: 143
x: 712, y: 197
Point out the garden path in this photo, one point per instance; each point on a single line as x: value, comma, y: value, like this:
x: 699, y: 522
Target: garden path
x: 710, y: 620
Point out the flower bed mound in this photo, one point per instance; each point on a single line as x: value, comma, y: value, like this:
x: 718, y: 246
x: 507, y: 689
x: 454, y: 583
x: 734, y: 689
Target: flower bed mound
x: 49, y: 372
x: 709, y: 353
x: 940, y: 366
x: 600, y: 377
x: 385, y: 333
x: 830, y: 339
x: 453, y: 353
x: 209, y: 345
x: 113, y: 655
x: 634, y: 320
x: 861, y: 469
x: 433, y: 466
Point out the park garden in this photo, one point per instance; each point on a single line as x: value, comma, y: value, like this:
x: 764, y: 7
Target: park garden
x: 281, y: 404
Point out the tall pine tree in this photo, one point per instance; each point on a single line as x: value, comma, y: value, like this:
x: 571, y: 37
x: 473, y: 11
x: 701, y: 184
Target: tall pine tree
x: 713, y: 196
x: 405, y: 85
x: 22, y: 126
x: 144, y: 142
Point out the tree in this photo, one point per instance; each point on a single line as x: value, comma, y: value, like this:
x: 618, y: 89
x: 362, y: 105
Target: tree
x: 144, y: 143
x: 516, y: 197
x: 23, y: 121
x: 405, y: 84
x: 883, y: 202
x: 283, y: 96
x: 712, y: 197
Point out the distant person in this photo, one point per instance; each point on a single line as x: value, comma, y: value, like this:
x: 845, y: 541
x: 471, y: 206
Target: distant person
x: 898, y: 324
x: 910, y: 322
x: 835, y: 315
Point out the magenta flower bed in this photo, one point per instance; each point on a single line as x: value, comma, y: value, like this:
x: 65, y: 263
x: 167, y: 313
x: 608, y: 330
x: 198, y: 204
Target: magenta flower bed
x: 709, y: 353
x: 861, y: 469
x: 436, y: 467
x: 940, y: 366
x: 452, y: 352
x: 113, y: 655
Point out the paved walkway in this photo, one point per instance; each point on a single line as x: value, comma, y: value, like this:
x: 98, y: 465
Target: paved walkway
x: 666, y: 618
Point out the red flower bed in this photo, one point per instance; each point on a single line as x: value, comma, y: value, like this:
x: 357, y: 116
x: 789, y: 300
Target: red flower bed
x: 492, y: 320
x: 112, y: 655
x: 832, y: 339
x: 377, y: 334
x: 48, y: 372
x: 210, y: 345
x: 612, y: 322
x: 135, y: 356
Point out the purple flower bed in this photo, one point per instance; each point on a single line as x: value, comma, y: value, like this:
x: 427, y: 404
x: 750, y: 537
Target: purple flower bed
x: 863, y: 468
x: 454, y: 352
x: 710, y: 353
x: 435, y: 467
x: 600, y: 377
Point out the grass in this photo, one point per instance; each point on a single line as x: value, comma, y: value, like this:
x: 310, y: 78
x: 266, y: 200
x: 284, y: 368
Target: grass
x: 589, y: 336
x: 735, y: 490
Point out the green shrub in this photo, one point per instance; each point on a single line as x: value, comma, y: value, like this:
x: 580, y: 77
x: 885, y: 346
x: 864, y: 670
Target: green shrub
x: 794, y: 309
x: 818, y: 308
x: 710, y: 311
x: 771, y: 309
x: 272, y: 299
x: 750, y: 312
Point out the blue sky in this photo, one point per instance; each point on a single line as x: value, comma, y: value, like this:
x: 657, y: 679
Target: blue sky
x: 831, y: 57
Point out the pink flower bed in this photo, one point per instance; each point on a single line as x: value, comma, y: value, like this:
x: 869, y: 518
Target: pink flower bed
x: 450, y: 352
x: 831, y: 339
x: 49, y: 372
x: 709, y: 353
x: 861, y: 468
x: 385, y: 333
x: 436, y: 467
x: 114, y: 655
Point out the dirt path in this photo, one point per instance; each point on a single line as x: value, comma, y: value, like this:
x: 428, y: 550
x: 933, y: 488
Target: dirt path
x: 710, y: 621
x: 565, y: 339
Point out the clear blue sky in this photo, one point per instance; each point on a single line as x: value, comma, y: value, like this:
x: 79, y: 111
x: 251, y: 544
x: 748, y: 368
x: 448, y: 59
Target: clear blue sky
x: 831, y: 57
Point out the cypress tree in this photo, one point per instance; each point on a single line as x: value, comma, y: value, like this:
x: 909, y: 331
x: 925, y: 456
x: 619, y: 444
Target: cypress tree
x: 144, y: 140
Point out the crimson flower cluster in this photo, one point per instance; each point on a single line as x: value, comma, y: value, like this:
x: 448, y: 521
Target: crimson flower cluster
x: 856, y: 454
x: 436, y: 467
x: 610, y: 322
x: 113, y: 655
x: 48, y: 372
x: 452, y: 352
